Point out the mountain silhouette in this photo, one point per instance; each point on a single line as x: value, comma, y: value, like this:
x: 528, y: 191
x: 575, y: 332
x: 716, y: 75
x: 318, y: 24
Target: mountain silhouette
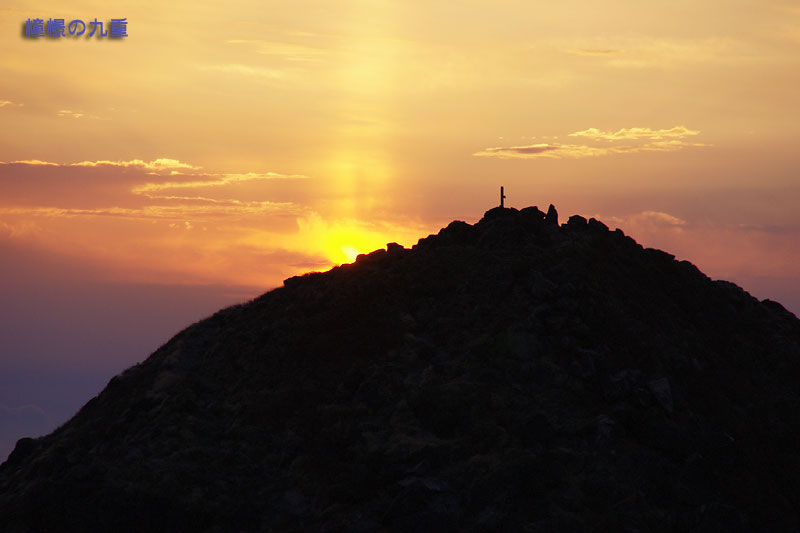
x: 511, y: 375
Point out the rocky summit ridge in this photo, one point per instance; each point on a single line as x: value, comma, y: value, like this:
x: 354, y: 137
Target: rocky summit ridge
x: 511, y: 375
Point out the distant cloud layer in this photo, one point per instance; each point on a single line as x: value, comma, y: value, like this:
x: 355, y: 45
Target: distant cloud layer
x: 660, y: 140
x: 677, y: 132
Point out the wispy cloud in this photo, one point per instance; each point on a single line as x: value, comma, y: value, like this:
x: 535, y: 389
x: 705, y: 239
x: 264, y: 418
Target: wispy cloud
x: 156, y: 164
x: 529, y: 150
x: 577, y: 151
x: 287, y: 50
x: 658, y: 219
x: 554, y: 150
x: 593, y: 51
x: 661, y: 218
x: 166, y: 191
x: 660, y: 140
x: 245, y: 70
x: 161, y: 163
x: 4, y: 103
x: 637, y: 52
x: 215, y: 208
x: 32, y: 162
x: 172, y: 188
x: 636, y: 133
x: 69, y: 113
x: 211, y: 180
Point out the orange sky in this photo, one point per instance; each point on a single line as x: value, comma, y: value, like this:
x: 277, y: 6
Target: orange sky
x: 242, y: 142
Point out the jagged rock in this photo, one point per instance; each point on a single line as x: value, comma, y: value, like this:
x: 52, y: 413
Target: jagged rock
x: 511, y: 374
x: 552, y: 215
x: 576, y: 221
x: 596, y: 225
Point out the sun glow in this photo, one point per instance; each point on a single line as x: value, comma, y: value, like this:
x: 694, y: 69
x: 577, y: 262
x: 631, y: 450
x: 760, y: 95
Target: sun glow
x: 350, y: 252
x: 343, y: 246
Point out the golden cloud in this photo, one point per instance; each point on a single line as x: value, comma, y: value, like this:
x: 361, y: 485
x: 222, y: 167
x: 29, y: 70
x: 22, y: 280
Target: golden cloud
x: 636, y: 133
x: 577, y: 151
x: 663, y: 140
x: 656, y: 218
x: 161, y: 163
x: 216, y: 180
x: 30, y: 162
x: 68, y: 113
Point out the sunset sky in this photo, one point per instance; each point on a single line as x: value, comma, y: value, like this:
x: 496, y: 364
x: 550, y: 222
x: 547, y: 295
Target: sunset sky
x: 224, y: 146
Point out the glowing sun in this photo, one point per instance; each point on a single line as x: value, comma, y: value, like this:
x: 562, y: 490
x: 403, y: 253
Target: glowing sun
x: 350, y: 252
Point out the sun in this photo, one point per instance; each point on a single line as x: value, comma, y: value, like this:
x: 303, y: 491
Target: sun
x: 350, y: 252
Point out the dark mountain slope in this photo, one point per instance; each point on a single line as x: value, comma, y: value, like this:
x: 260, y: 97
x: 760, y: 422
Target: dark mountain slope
x: 512, y: 375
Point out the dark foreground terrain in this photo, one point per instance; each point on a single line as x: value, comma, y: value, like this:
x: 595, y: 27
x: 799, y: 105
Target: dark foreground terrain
x: 512, y: 375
